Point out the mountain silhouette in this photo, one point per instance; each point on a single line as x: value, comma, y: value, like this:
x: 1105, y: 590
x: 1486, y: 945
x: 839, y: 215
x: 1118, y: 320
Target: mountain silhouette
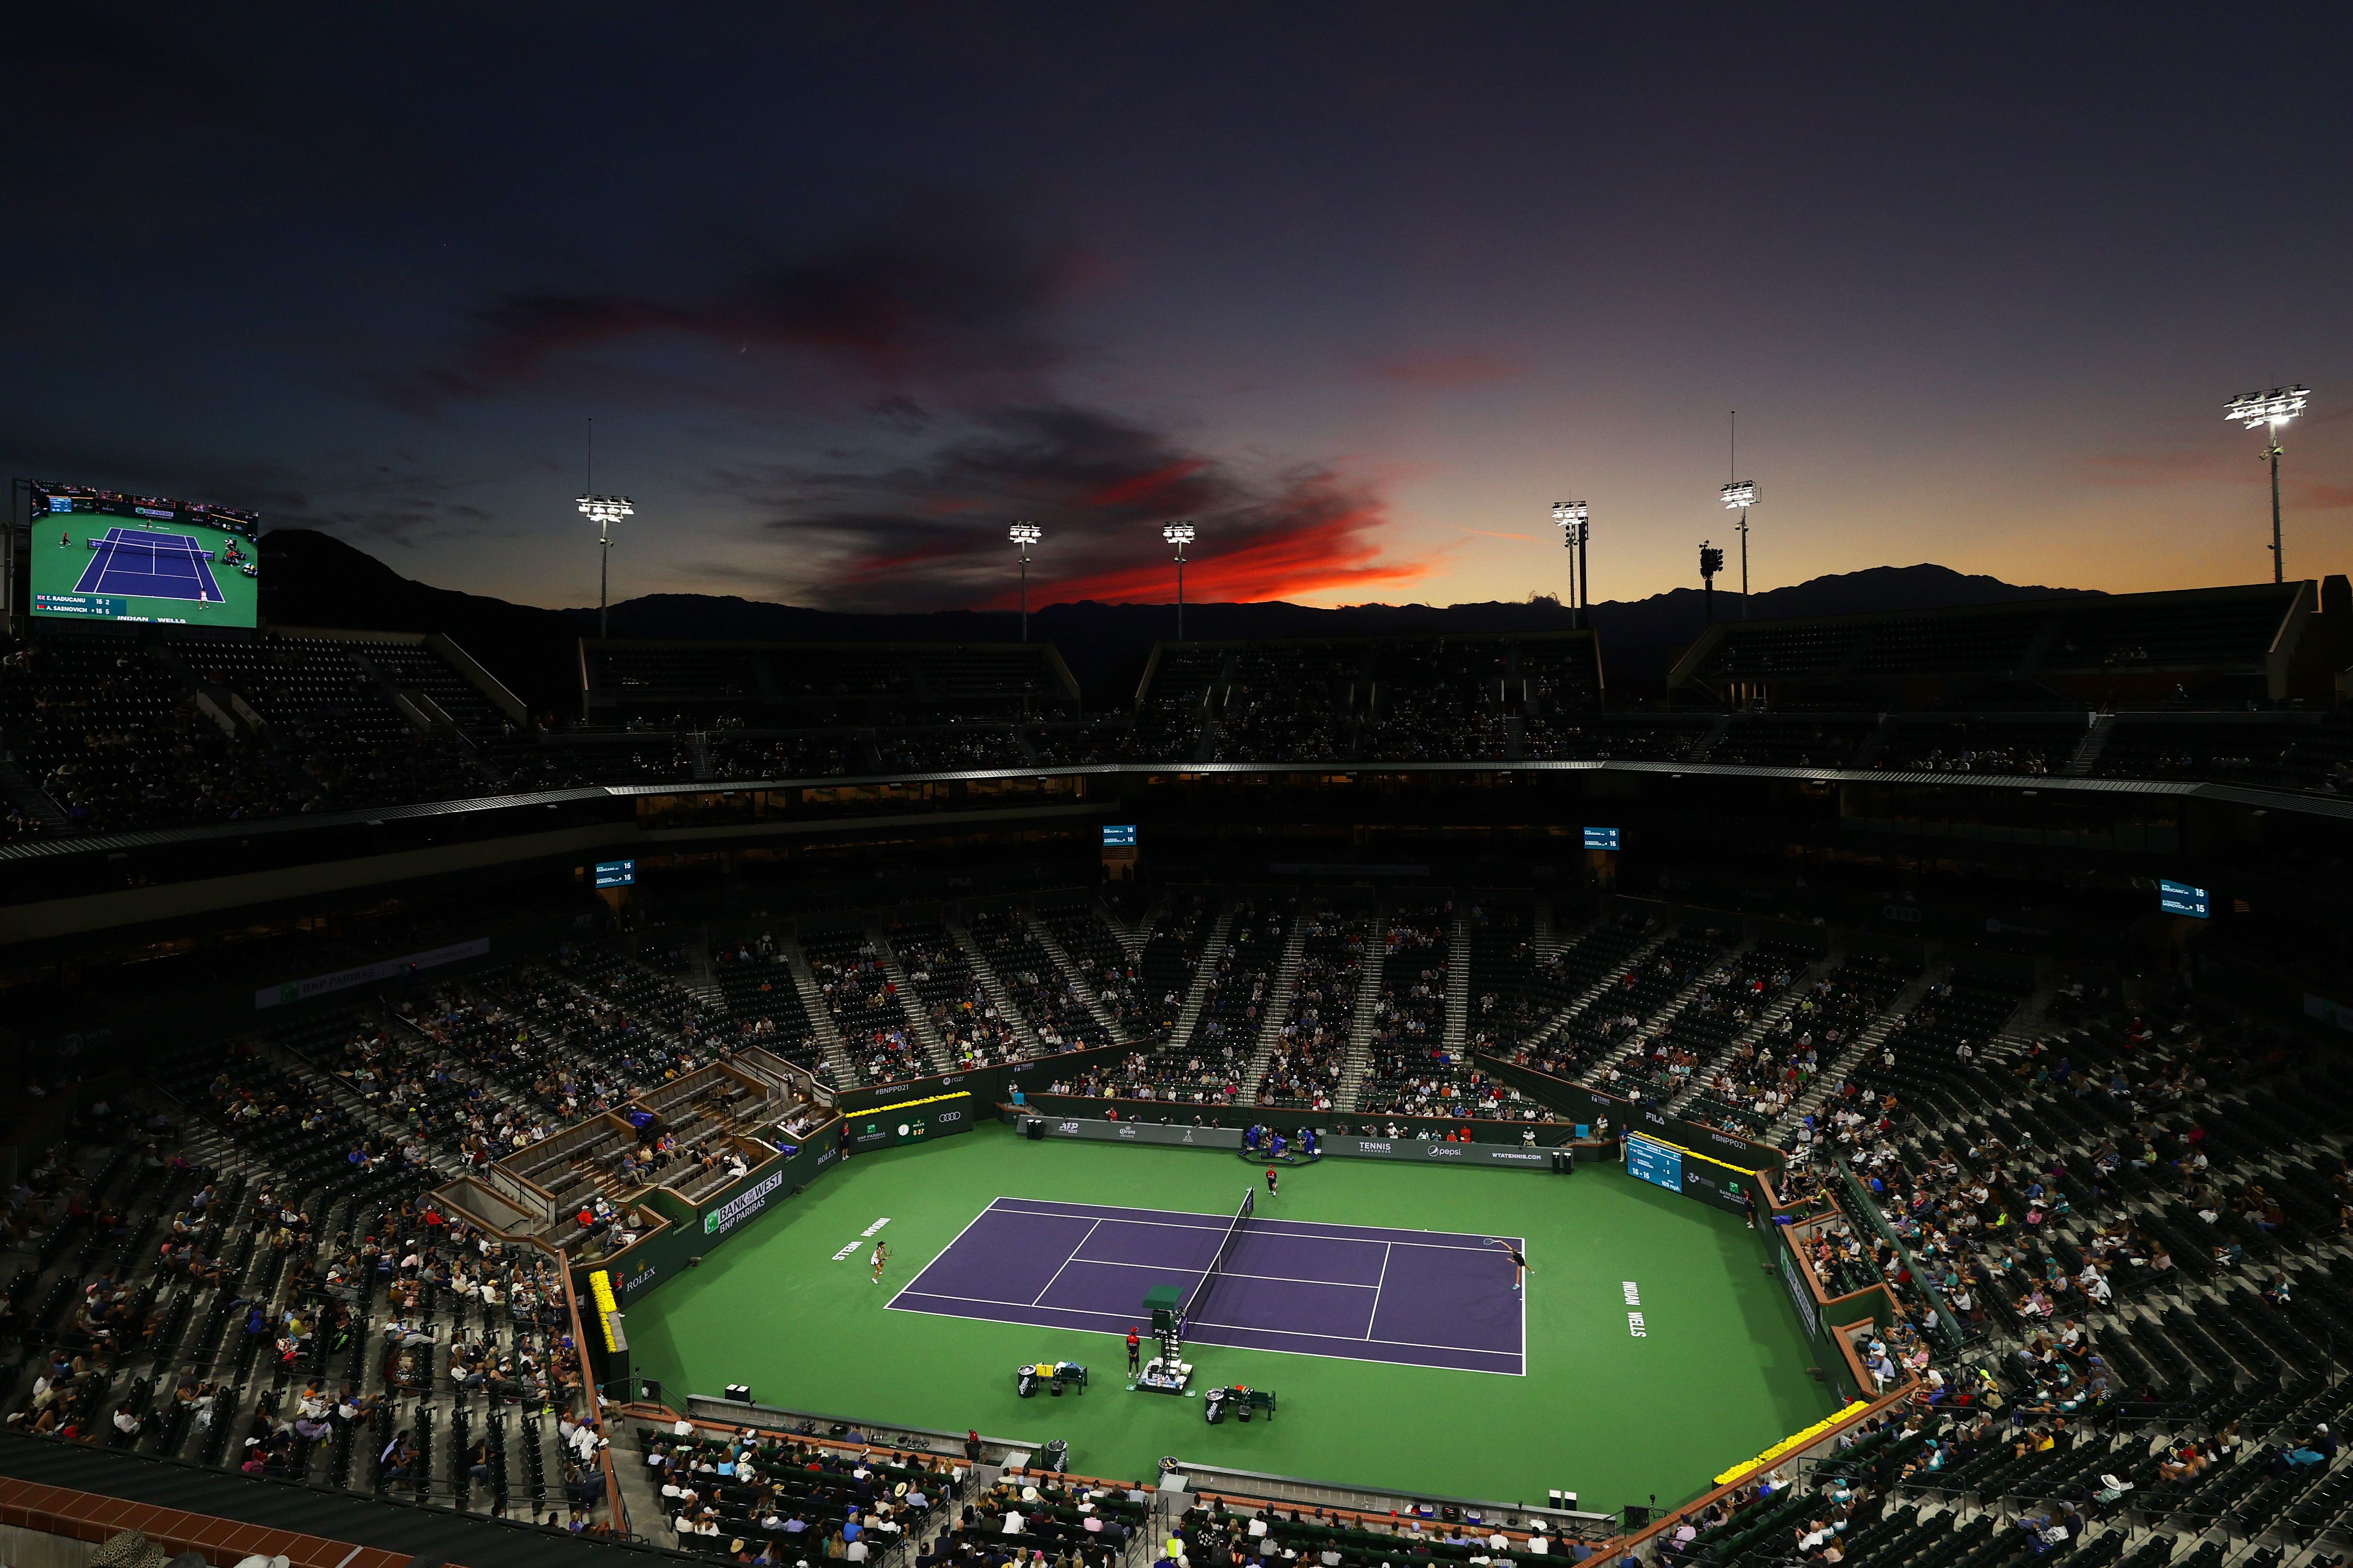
x: 313, y: 579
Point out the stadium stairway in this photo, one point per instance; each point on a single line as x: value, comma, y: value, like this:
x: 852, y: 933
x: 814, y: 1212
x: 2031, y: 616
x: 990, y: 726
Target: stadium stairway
x: 1655, y: 1025
x: 821, y: 1017
x: 1775, y: 1011
x: 1835, y: 1069
x: 1212, y: 949
x: 911, y: 1004
x: 1069, y: 970
x: 1707, y: 743
x: 1543, y: 936
x: 992, y: 985
x: 1559, y: 1022
x: 2088, y: 750
x: 1362, y: 1022
x: 1281, y: 999
x: 28, y: 797
x: 1132, y: 934
x: 1457, y: 1034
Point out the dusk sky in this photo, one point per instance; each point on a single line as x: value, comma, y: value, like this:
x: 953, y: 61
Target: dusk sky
x: 1361, y: 290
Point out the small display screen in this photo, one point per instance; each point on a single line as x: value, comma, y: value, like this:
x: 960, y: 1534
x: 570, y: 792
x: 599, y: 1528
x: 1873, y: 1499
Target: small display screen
x: 1651, y: 1160
x: 1119, y: 836
x: 2181, y: 899
x: 1601, y: 839
x: 616, y: 873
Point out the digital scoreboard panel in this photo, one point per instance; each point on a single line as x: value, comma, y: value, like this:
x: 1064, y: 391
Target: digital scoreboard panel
x: 1601, y: 839
x: 1648, y: 1159
x: 616, y: 873
x: 102, y: 555
x: 1119, y: 836
x: 2181, y: 899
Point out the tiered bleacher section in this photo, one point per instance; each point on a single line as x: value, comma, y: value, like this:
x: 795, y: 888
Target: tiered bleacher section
x: 1411, y: 1070
x: 1038, y: 989
x: 826, y: 686
x: 755, y: 980
x: 1304, y: 1067
x: 2215, y: 646
x: 253, y: 1285
x: 1225, y: 1032
x: 1516, y: 994
x: 1727, y: 1004
x: 864, y: 1003
x: 1103, y: 965
x: 1625, y: 1013
x: 962, y: 1018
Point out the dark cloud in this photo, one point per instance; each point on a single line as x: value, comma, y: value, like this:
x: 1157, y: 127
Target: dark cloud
x: 938, y: 300
x: 931, y: 531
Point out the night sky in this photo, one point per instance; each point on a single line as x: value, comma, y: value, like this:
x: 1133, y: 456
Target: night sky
x: 1361, y: 290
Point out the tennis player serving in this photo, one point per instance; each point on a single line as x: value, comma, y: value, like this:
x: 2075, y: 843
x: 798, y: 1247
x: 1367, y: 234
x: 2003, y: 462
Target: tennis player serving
x: 1519, y: 1265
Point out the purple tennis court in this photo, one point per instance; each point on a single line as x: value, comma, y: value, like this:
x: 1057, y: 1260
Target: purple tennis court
x: 1415, y: 1297
x: 156, y: 565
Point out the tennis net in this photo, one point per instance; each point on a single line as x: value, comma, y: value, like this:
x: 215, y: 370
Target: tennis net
x: 1225, y: 1251
x: 142, y: 547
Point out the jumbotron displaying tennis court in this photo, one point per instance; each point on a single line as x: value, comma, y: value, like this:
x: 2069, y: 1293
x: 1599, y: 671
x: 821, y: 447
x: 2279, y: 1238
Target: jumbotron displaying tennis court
x: 1359, y: 1292
x: 153, y: 565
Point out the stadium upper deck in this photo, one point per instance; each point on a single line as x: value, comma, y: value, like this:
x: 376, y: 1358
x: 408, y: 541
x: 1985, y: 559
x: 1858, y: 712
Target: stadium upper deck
x: 108, y: 732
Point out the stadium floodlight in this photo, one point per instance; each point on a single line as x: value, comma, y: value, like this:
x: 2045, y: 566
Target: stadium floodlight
x: 1739, y: 496
x: 2268, y: 411
x: 1024, y: 535
x: 1711, y: 561
x: 1572, y: 516
x: 1179, y: 534
x: 605, y: 511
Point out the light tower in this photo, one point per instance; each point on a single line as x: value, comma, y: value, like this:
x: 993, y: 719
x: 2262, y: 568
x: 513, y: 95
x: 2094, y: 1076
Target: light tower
x: 1739, y: 496
x: 1711, y: 561
x: 1025, y: 534
x: 1179, y: 534
x: 1573, y: 518
x: 604, y: 511
x: 2271, y: 409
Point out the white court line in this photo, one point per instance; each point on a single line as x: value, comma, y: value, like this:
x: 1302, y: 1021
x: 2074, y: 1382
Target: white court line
x: 1067, y: 1261
x: 1239, y: 1328
x: 1247, y: 1229
x: 1255, y: 1219
x: 1376, y: 1300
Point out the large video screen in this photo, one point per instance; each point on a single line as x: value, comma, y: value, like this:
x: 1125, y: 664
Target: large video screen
x: 101, y: 556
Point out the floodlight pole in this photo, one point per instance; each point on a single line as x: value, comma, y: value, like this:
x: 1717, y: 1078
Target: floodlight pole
x: 2270, y: 410
x: 1179, y: 534
x: 1025, y: 534
x: 605, y: 511
x: 1574, y: 518
x: 2272, y: 450
x: 1739, y: 495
